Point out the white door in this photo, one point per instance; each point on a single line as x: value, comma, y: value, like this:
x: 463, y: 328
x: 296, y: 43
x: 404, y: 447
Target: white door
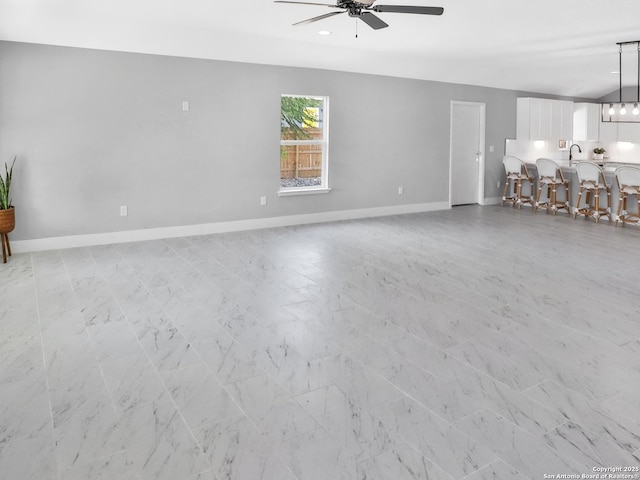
x: 467, y: 153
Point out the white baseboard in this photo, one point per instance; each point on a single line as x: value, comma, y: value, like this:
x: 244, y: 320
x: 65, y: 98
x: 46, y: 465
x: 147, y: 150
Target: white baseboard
x: 75, y: 241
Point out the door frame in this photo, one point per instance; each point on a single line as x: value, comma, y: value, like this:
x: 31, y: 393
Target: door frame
x: 481, y: 148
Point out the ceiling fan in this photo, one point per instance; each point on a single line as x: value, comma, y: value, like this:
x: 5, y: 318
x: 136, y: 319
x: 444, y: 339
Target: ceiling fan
x: 362, y: 9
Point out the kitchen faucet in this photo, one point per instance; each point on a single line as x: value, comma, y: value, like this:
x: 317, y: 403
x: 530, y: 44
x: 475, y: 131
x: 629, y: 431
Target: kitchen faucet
x: 571, y: 154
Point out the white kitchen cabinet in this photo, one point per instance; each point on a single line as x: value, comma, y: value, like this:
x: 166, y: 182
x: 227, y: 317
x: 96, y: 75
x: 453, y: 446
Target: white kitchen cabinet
x: 561, y: 119
x: 629, y: 132
x: 544, y: 119
x: 619, y: 132
x: 608, y: 132
x: 586, y: 121
x: 533, y: 119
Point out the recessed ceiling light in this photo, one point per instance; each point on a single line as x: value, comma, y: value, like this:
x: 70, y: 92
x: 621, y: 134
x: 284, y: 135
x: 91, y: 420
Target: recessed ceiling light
x: 615, y: 72
x: 324, y: 32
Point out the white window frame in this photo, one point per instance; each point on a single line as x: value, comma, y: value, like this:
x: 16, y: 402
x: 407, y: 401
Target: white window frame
x: 324, y: 142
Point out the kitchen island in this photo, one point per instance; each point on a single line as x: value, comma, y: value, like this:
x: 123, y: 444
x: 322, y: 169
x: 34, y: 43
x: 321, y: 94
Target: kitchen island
x: 569, y: 171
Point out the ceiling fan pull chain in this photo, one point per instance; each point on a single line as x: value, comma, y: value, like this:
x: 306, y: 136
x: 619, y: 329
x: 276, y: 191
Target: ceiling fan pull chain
x: 356, y: 20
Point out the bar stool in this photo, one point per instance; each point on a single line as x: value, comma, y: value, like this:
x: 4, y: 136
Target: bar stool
x: 550, y: 177
x: 592, y: 182
x: 628, y: 179
x: 517, y: 172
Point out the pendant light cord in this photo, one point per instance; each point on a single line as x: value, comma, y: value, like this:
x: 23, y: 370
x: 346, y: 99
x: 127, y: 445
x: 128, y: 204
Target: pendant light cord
x: 638, y: 95
x: 620, y: 68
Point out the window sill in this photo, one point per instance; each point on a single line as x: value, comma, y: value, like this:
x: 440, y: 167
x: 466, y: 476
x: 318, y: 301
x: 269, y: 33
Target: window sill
x: 287, y: 192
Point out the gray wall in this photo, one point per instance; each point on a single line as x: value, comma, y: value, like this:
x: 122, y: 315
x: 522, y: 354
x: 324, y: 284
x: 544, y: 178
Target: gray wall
x: 629, y: 95
x: 94, y: 130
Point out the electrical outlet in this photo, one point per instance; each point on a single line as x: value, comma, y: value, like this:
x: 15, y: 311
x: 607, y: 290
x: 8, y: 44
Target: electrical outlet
x: 401, y: 190
x: 185, y: 106
x: 491, y: 149
x: 263, y: 201
x: 124, y: 211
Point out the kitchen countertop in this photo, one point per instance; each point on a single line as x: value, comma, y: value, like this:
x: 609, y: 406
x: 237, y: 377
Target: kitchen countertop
x: 567, y: 166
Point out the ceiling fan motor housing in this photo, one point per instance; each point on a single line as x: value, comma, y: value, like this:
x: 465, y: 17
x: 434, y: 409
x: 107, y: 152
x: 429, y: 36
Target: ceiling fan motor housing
x: 352, y: 4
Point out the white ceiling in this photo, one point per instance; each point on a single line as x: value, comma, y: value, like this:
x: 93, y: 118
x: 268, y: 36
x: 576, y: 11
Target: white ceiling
x: 561, y: 47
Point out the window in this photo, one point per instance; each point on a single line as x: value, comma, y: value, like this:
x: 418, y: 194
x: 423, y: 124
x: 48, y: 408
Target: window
x: 304, y: 144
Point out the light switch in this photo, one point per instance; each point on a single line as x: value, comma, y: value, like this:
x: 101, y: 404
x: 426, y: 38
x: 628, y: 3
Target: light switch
x: 185, y: 106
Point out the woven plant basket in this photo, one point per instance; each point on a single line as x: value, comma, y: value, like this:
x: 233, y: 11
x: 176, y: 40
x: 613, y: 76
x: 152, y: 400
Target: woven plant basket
x: 7, y: 220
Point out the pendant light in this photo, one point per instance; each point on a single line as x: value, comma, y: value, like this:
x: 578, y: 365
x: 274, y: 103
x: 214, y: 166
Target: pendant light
x: 621, y: 107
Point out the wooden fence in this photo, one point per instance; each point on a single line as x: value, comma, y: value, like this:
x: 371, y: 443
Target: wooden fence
x: 301, y: 161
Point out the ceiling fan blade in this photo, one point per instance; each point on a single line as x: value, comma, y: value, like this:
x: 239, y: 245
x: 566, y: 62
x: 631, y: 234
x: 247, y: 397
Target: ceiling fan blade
x: 315, y: 19
x: 306, y: 3
x: 409, y: 9
x: 373, y: 21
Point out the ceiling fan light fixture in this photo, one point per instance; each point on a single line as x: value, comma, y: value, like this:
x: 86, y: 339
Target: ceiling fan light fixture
x: 362, y: 10
x: 623, y: 109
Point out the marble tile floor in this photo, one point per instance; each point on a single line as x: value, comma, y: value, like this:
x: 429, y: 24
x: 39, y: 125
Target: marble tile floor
x: 475, y: 343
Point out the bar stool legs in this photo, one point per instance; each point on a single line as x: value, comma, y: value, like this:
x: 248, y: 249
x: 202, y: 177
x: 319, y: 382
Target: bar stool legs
x: 623, y: 216
x: 552, y: 204
x: 510, y: 183
x: 628, y: 179
x: 522, y: 200
x: 517, y: 199
x: 517, y: 173
x: 550, y: 177
x: 592, y: 194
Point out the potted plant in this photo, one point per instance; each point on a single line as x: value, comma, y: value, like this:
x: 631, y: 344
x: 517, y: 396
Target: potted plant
x: 598, y: 153
x: 7, y: 211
